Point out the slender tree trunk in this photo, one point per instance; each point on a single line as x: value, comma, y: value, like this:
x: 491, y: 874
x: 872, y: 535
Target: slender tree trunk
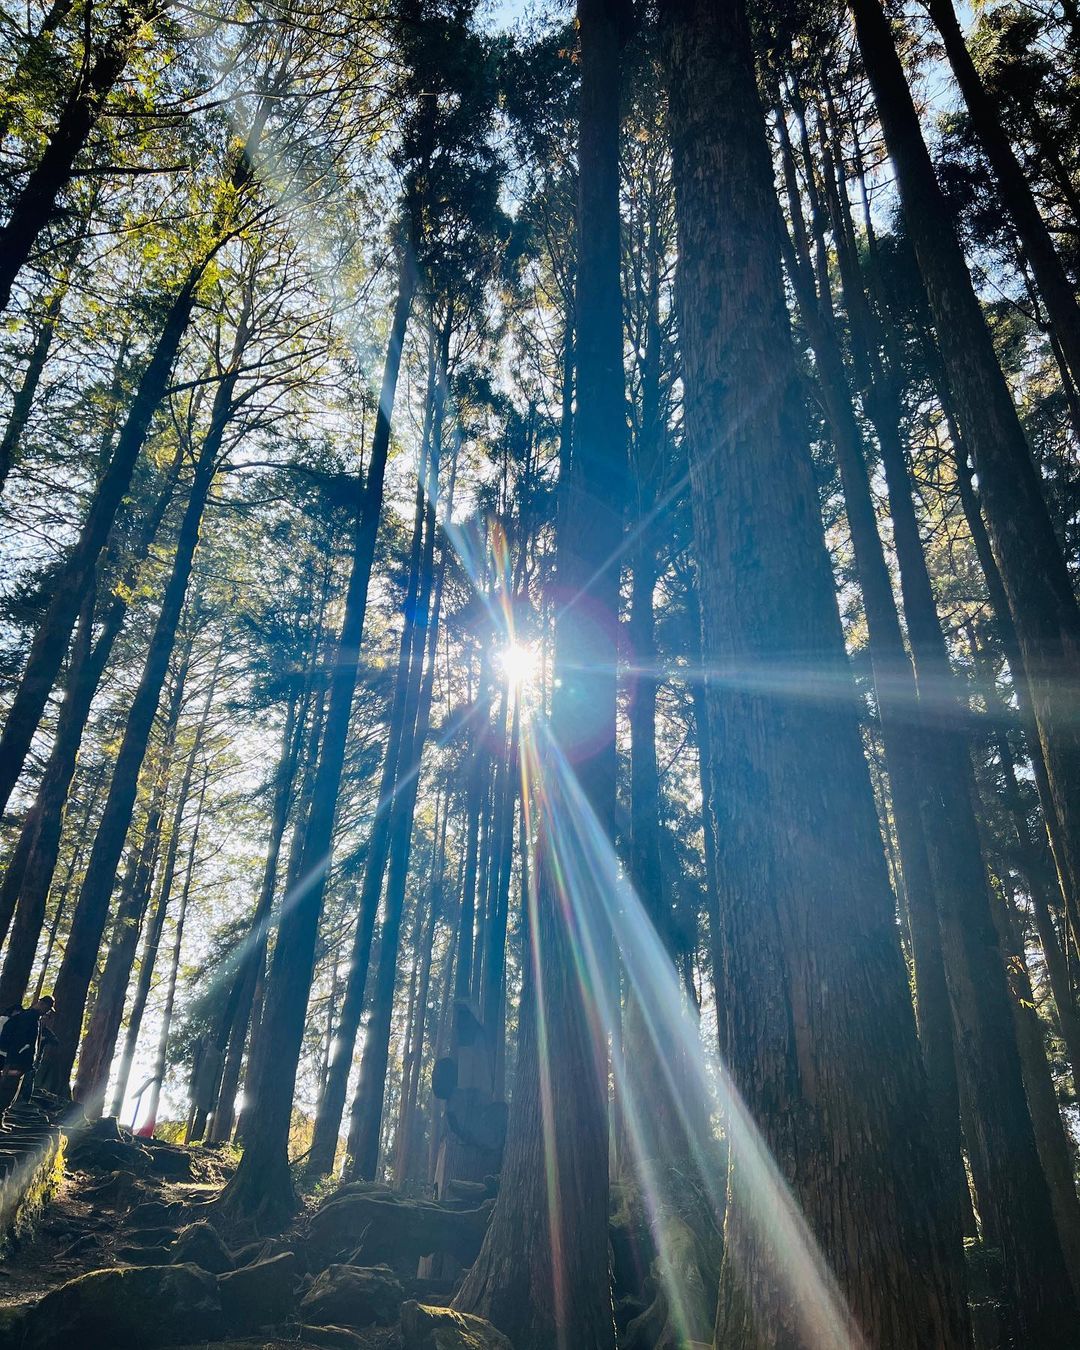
x: 367, y: 1111
x: 23, y: 399
x: 1033, y: 570
x: 477, y: 780
x: 833, y: 1081
x: 77, y: 576
x: 158, y: 1075
x: 262, y: 1181
x: 99, y: 1043
x: 29, y: 872
x: 152, y: 941
x: 1033, y: 869
x: 92, y: 909
x: 1022, y: 692
x: 404, y: 1168
x: 332, y: 1102
x: 542, y: 1273
x: 36, y: 204
x: 253, y: 957
x: 1053, y: 282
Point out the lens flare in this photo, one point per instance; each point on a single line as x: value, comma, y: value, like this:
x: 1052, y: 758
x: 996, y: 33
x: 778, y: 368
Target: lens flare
x: 519, y: 663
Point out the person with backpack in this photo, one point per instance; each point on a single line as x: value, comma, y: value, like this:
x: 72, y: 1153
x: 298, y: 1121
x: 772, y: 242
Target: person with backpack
x: 21, y: 1038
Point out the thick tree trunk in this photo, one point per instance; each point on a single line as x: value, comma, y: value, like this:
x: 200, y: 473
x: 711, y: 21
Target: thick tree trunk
x: 1033, y: 570
x: 819, y: 1033
x: 262, y: 1181
x: 903, y: 727
x: 542, y: 1273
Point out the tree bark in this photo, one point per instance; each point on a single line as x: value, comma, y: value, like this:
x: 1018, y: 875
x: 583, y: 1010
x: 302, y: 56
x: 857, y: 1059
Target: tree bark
x: 92, y: 909
x: 542, y: 1273
x: 819, y: 1035
x: 99, y: 1043
x: 152, y: 940
x: 77, y: 576
x: 1033, y: 570
x: 332, y: 1102
x: 29, y: 872
x: 262, y: 1181
x: 1053, y: 282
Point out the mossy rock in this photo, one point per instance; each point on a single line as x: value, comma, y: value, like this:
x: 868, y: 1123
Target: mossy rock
x: 127, y: 1308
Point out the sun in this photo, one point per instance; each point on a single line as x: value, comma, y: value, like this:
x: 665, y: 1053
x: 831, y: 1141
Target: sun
x: 519, y: 663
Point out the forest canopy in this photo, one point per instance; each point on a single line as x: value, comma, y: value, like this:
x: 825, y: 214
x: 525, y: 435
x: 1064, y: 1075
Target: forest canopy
x: 540, y: 653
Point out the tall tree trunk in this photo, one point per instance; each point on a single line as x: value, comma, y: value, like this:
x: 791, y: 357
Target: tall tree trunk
x: 1049, y: 1130
x: 253, y: 957
x: 76, y: 578
x: 23, y: 399
x: 36, y: 204
x: 998, y: 1123
x: 1018, y: 1204
x: 542, y: 1273
x: 29, y: 872
x: 367, y: 1112
x: 1022, y: 692
x: 1031, y: 866
x: 404, y: 1168
x: 1057, y: 290
x: 158, y: 1075
x: 832, y: 1079
x: 903, y: 729
x: 1033, y: 570
x: 92, y: 910
x: 152, y: 940
x: 99, y: 1043
x: 332, y: 1102
x: 262, y: 1181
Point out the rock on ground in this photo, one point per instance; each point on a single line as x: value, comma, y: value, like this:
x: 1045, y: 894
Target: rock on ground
x: 126, y: 1308
x: 397, y: 1231
x: 259, y: 1295
x: 426, y: 1328
x: 353, y: 1296
x: 199, y: 1245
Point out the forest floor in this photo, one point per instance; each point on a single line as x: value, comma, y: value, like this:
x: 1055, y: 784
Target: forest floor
x: 131, y: 1253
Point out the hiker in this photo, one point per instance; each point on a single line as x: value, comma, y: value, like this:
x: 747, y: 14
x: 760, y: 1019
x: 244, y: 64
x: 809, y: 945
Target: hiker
x: 21, y: 1039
